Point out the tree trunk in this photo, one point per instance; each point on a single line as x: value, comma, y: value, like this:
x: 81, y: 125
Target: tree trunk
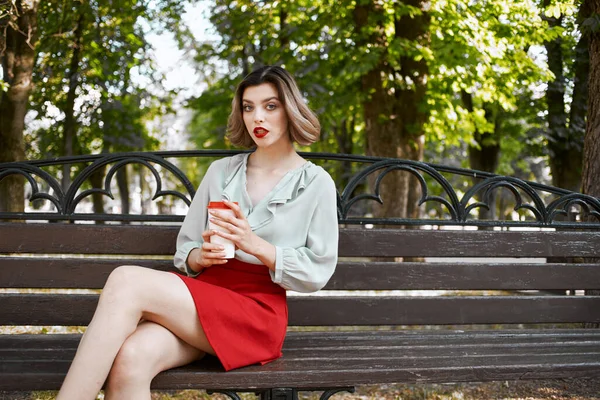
x: 591, y: 146
x: 284, y: 34
x: 123, y: 184
x: 579, y: 104
x: 393, y: 112
x: 97, y: 182
x: 17, y: 59
x: 70, y: 124
x: 486, y: 155
x: 343, y: 136
x: 565, y: 138
x: 485, y: 158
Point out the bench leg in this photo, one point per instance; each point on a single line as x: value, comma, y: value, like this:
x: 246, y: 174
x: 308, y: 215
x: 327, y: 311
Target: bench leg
x: 279, y: 394
x: 283, y: 393
x: 292, y: 394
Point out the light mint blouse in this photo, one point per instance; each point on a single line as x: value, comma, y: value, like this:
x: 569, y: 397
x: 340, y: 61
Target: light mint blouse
x: 298, y: 216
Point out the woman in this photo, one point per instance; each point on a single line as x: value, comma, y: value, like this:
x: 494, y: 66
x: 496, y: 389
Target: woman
x: 284, y: 228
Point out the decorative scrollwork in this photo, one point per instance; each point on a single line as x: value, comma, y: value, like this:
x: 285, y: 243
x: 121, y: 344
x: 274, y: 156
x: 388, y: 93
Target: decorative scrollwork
x: 28, y: 171
x: 137, y: 158
x: 355, y: 200
x: 513, y: 184
x: 590, y: 205
x: 347, y: 200
x: 67, y: 202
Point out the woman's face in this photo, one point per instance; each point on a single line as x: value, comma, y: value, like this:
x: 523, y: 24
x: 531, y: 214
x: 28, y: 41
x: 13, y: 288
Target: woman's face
x: 264, y: 115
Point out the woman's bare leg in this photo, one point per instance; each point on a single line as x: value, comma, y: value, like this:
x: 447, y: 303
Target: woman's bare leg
x: 130, y: 295
x: 151, y: 349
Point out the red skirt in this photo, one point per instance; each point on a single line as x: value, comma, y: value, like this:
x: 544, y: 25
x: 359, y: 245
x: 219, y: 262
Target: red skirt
x: 243, y: 313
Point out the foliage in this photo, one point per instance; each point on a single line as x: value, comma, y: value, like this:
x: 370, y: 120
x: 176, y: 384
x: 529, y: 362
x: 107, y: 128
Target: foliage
x: 491, y: 50
x: 117, y: 90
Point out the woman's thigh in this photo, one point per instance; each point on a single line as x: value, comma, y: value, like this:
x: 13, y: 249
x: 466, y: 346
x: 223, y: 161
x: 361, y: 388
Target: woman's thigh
x: 164, y: 299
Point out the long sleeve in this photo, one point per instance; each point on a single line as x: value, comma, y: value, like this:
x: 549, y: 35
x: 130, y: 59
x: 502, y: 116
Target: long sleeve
x: 309, y: 268
x: 190, y: 234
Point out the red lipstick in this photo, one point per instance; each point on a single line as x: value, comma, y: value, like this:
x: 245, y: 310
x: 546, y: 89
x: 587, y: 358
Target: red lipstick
x: 260, y: 132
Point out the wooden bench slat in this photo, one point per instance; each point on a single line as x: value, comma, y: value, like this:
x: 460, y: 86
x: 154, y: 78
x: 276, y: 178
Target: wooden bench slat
x: 334, y: 341
x: 359, y: 368
x: 347, y: 352
x: 319, y: 361
x: 417, y: 243
x: 443, y: 350
x: 361, y: 338
x: 25, y: 272
x: 445, y: 310
x: 115, y: 239
x: 66, y: 273
x: 57, y: 309
x: 87, y: 239
x: 365, y: 375
x: 180, y: 379
x: 405, y: 337
x: 463, y: 276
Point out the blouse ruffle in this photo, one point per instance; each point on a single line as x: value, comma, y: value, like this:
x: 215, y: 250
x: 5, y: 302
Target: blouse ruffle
x: 287, y: 189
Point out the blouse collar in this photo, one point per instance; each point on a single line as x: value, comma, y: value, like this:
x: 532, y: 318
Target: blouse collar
x: 291, y: 185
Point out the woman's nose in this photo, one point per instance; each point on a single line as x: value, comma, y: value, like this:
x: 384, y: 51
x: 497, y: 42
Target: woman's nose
x: 259, y: 115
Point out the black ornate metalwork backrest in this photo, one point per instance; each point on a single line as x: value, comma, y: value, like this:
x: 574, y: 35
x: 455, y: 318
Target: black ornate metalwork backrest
x: 532, y: 204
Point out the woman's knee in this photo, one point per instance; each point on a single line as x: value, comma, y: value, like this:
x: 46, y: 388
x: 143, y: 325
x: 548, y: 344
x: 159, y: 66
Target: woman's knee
x: 134, y: 363
x: 122, y: 281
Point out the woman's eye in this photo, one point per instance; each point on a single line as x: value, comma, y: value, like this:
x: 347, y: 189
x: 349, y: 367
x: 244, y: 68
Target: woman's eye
x: 247, y: 108
x: 271, y: 106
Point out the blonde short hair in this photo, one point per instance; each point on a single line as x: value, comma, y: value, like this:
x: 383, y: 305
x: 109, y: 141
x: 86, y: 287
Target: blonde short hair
x: 303, y: 125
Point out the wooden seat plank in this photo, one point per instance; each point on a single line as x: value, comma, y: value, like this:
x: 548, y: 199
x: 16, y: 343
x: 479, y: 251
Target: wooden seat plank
x: 381, y: 349
x: 91, y: 273
x: 363, y: 338
x: 437, y: 350
x: 160, y: 240
x: 361, y: 366
x: 57, y: 309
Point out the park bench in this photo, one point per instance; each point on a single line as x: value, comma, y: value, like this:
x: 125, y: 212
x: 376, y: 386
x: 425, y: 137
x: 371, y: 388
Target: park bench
x: 500, y: 311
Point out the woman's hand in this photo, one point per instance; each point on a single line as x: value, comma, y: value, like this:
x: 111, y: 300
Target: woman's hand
x: 208, y: 255
x: 237, y: 228
x: 239, y: 232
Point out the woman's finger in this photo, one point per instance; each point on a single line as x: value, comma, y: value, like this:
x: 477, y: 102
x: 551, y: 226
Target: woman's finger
x: 213, y: 256
x: 206, y: 236
x: 225, y: 225
x: 227, y: 235
x: 237, y: 210
x: 221, y: 216
x: 212, y: 247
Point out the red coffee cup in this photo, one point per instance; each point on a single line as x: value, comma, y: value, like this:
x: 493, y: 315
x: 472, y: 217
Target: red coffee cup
x: 228, y: 244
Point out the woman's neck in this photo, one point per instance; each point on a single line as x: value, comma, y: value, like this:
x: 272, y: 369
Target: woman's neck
x: 281, y: 158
